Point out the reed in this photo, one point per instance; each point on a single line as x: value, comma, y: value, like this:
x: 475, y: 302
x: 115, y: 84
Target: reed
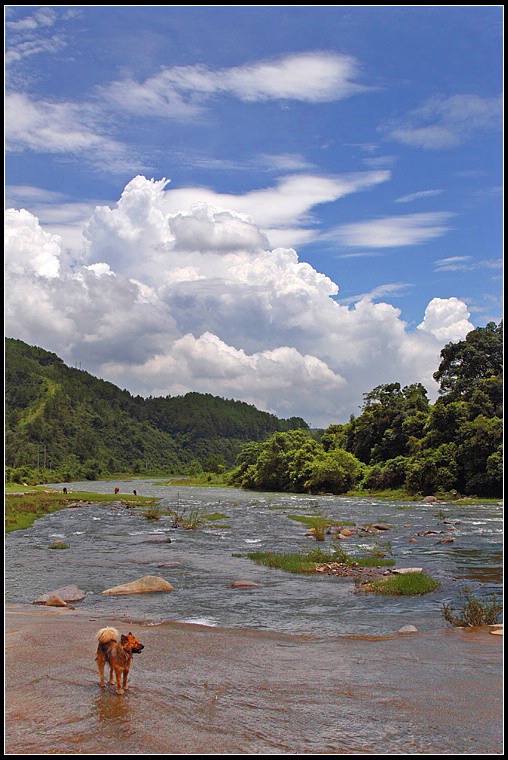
x: 472, y: 611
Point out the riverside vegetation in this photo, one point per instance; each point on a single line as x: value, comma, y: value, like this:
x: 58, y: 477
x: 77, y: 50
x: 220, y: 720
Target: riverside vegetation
x: 63, y: 424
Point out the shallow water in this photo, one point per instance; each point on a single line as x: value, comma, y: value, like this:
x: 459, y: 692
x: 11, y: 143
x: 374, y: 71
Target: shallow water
x: 108, y: 546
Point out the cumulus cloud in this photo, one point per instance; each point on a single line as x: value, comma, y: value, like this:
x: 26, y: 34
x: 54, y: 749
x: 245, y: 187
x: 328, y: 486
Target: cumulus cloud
x: 171, y: 299
x: 445, y: 122
x: 447, y: 319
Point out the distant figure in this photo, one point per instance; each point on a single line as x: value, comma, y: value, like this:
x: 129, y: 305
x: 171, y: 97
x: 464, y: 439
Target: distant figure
x: 64, y: 490
x: 135, y: 492
x: 117, y: 490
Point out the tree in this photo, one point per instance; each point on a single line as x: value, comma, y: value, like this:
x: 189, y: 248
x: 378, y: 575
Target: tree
x: 464, y: 364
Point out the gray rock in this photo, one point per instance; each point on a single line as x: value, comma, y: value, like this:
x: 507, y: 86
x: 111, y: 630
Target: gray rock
x: 408, y: 629
x: 67, y: 593
x: 157, y: 540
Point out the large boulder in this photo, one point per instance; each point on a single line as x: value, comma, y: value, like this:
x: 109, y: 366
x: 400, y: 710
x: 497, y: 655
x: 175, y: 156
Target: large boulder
x: 68, y: 594
x: 146, y: 584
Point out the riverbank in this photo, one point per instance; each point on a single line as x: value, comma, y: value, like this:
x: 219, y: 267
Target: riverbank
x: 202, y: 690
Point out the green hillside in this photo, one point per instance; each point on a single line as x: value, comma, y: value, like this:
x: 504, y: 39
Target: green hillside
x: 64, y: 424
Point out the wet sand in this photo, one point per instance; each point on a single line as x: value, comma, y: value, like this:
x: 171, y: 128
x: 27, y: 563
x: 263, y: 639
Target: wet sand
x: 203, y: 690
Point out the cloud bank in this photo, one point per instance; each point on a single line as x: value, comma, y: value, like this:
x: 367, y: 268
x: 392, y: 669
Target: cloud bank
x: 177, y: 292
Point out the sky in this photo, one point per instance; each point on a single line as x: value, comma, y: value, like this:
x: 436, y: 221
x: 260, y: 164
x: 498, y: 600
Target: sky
x: 283, y: 205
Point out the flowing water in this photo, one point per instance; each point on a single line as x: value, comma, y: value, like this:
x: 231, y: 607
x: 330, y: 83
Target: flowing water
x: 298, y: 664
x: 110, y: 545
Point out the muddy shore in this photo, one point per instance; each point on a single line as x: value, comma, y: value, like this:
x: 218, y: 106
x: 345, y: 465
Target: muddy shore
x: 202, y: 690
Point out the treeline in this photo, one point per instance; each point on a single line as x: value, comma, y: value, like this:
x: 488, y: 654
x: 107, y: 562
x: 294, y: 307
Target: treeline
x: 65, y: 424
x: 400, y: 440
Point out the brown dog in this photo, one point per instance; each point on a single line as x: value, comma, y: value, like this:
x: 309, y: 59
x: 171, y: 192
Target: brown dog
x: 116, y: 651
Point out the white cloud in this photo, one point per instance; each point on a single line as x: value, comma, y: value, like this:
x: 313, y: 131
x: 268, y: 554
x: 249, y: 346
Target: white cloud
x: 169, y: 301
x: 393, y: 231
x: 62, y: 128
x: 31, y: 250
x: 181, y: 92
x: 417, y: 196
x: 447, y: 319
x: 446, y: 122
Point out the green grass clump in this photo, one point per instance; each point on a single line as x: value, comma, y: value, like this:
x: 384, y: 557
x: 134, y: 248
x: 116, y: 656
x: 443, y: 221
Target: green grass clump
x: 472, y: 612
x: 407, y: 584
x: 291, y: 563
x: 306, y: 563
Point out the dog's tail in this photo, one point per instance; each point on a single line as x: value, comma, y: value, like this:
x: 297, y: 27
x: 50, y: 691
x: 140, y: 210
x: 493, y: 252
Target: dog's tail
x: 105, y: 635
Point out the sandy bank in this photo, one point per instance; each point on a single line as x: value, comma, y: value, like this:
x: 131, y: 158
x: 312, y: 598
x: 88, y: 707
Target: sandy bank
x: 202, y: 690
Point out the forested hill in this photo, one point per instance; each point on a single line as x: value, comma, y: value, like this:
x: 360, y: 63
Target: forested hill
x: 77, y: 426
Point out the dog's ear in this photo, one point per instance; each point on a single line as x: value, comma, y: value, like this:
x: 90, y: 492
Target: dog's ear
x: 124, y: 639
x: 130, y: 633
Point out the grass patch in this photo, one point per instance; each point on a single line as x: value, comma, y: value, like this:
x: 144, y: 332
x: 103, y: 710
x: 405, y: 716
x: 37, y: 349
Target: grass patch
x: 306, y: 563
x: 23, y: 509
x: 408, y: 584
x: 472, y: 611
x: 291, y: 563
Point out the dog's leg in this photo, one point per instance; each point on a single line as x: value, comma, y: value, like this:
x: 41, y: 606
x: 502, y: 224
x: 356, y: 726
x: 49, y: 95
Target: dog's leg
x: 111, y: 679
x: 125, y: 677
x: 100, y: 664
x: 118, y: 674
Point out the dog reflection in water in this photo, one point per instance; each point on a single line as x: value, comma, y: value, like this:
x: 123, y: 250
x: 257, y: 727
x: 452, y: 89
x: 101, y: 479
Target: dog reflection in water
x: 116, y: 650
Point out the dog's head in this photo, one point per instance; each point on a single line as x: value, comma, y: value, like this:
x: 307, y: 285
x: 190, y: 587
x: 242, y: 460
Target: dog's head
x: 131, y: 644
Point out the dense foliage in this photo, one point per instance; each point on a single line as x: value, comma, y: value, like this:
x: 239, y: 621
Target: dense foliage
x: 65, y: 424
x: 400, y: 440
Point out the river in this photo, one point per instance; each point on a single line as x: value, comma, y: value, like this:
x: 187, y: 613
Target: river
x: 297, y: 664
x: 110, y: 545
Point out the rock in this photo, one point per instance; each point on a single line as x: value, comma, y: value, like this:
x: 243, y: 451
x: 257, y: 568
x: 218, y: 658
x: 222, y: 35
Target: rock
x: 346, y: 532
x: 429, y: 499
x: 445, y: 540
x: 408, y: 629
x: 404, y: 570
x: 55, y: 601
x: 146, y: 584
x: 170, y: 564
x: 67, y: 593
x: 412, y: 540
x: 157, y: 540
x: 244, y: 584
x: 381, y: 526
x: 497, y: 632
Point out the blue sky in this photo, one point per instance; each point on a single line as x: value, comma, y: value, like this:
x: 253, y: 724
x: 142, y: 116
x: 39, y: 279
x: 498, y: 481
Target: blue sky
x: 285, y: 205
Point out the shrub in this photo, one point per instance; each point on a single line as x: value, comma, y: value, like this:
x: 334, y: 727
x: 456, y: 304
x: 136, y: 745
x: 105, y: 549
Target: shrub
x: 472, y: 612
